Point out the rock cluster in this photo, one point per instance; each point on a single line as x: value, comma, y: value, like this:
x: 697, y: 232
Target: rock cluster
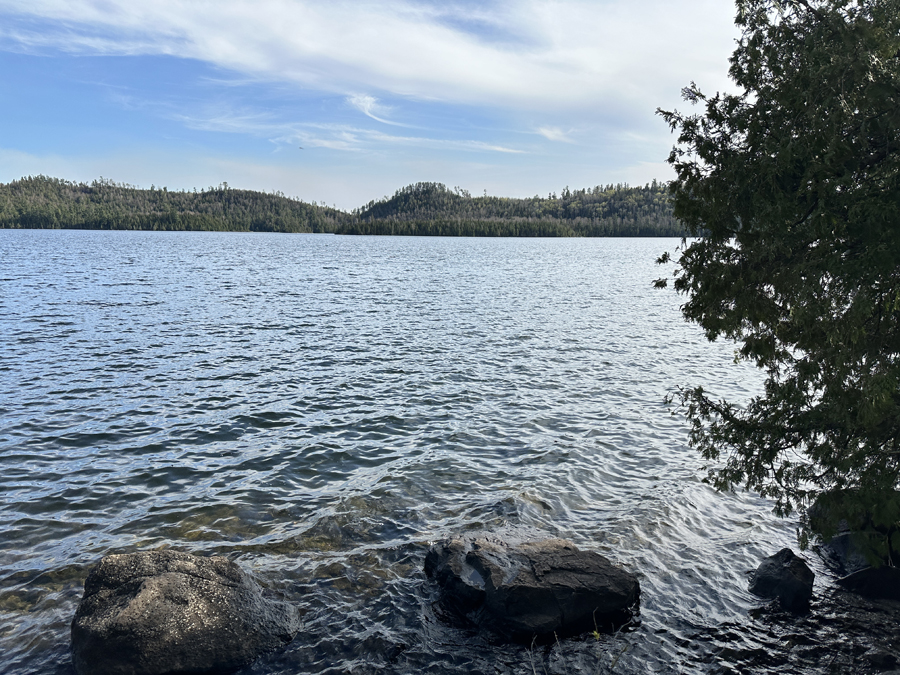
x: 168, y: 612
x: 537, y: 589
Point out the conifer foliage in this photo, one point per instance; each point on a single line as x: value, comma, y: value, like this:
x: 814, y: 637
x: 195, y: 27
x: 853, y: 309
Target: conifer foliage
x: 428, y: 209
x: 610, y: 211
x: 40, y: 202
x: 793, y: 187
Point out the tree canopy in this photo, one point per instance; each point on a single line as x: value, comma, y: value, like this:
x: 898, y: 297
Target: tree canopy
x: 610, y: 211
x: 419, y: 209
x: 41, y: 202
x: 792, y: 188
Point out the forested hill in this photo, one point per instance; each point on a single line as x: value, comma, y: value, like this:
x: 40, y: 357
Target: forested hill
x: 50, y: 203
x: 614, y: 210
x: 420, y: 209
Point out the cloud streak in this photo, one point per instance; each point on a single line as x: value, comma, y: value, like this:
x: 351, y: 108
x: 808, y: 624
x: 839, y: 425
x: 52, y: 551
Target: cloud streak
x: 341, y: 137
x: 515, y: 96
x: 370, y: 107
x: 522, y: 55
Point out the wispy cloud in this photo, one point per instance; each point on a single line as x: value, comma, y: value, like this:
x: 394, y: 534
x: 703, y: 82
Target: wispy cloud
x: 370, y: 107
x: 324, y: 135
x: 554, y: 134
x: 477, y: 146
x: 379, y: 93
x: 523, y: 54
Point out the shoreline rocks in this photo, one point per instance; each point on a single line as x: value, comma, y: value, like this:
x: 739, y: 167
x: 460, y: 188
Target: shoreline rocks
x: 842, y: 555
x: 158, y: 612
x: 531, y: 590
x: 856, y: 541
x: 882, y: 583
x: 854, y: 532
x: 784, y: 576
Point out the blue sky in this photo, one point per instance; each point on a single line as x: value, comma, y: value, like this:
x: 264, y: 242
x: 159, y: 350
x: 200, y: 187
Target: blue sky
x: 514, y: 98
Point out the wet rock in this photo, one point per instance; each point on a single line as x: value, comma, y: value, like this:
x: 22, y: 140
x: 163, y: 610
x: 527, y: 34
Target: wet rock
x: 882, y: 660
x: 854, y: 532
x: 533, y: 589
x: 462, y: 586
x: 786, y: 577
x: 842, y: 555
x: 170, y: 612
x: 874, y: 582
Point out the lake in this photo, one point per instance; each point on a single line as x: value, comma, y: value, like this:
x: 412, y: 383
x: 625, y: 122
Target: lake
x: 320, y: 408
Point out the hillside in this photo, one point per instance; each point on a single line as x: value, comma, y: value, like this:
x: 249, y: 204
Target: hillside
x: 430, y: 208
x: 52, y: 203
x: 420, y: 209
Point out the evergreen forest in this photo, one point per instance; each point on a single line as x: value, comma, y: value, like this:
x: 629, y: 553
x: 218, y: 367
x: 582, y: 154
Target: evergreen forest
x: 425, y: 209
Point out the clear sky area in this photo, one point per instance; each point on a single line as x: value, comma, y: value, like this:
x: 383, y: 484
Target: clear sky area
x: 344, y: 102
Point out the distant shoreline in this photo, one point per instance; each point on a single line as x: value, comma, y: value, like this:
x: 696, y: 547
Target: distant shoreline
x: 341, y: 234
x: 422, y: 209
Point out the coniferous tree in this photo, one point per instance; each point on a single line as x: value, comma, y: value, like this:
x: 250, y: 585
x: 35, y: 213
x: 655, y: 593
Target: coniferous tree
x: 793, y: 187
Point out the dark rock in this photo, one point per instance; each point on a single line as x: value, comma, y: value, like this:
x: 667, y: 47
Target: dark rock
x: 462, y: 586
x: 533, y: 589
x: 881, y: 660
x: 169, y: 612
x: 842, y: 555
x: 874, y: 582
x: 786, y: 577
x: 855, y: 530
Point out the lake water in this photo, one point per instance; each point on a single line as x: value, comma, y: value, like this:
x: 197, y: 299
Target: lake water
x: 320, y: 408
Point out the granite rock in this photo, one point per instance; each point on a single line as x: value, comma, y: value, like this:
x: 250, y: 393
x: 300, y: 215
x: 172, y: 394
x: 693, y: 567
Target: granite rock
x: 534, y: 589
x: 161, y: 612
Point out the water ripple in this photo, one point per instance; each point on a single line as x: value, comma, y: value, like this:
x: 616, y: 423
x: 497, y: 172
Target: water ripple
x: 321, y: 408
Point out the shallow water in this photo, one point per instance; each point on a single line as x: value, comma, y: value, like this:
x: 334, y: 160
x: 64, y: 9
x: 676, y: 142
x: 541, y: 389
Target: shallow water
x: 320, y: 408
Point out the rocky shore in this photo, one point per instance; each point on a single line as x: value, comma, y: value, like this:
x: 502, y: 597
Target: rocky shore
x: 168, y: 612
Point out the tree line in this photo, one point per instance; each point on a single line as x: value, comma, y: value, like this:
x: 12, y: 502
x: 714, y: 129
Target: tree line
x: 611, y: 211
x: 41, y: 202
x: 424, y: 209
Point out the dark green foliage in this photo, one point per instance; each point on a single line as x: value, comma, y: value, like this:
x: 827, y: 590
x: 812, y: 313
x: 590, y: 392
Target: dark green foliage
x: 51, y: 203
x: 420, y: 209
x: 794, y: 185
x: 611, y: 211
x: 459, y: 227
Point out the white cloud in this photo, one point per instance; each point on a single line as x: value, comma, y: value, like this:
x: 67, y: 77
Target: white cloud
x: 554, y: 134
x: 325, y: 135
x: 370, y: 107
x: 550, y: 56
x: 328, y: 75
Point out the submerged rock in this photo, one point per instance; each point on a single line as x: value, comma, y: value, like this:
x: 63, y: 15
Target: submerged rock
x: 874, y: 582
x: 168, y: 612
x: 531, y: 589
x: 786, y: 577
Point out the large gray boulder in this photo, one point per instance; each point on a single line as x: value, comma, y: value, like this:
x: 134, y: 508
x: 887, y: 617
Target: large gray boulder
x: 784, y: 576
x: 529, y: 590
x: 168, y: 612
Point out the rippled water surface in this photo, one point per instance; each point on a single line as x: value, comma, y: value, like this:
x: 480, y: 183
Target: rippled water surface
x: 320, y: 408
